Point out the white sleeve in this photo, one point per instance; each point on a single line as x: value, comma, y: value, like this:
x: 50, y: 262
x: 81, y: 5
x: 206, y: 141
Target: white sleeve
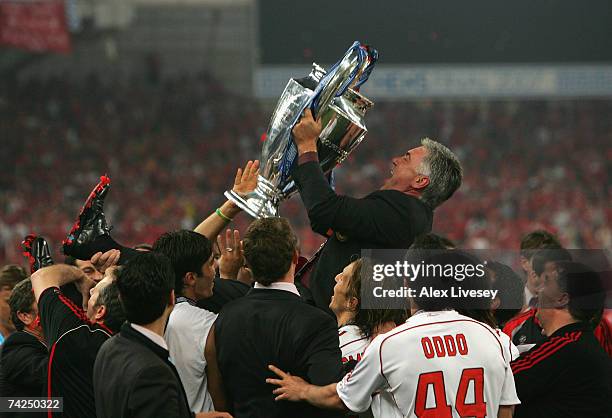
x: 357, y: 387
x: 508, y: 393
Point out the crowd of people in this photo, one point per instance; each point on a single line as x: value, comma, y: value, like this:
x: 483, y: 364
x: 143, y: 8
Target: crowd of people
x: 176, y: 143
x: 214, y: 315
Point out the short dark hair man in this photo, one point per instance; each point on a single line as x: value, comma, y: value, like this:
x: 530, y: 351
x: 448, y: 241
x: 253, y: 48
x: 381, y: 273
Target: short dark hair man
x: 271, y: 324
x: 23, y: 363
x: 421, y: 180
x: 73, y: 335
x: 10, y: 275
x: 531, y: 243
x: 194, y: 270
x: 133, y: 376
x: 567, y: 375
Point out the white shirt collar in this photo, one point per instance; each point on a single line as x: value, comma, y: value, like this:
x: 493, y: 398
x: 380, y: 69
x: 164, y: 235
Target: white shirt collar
x: 287, y: 287
x: 157, y: 339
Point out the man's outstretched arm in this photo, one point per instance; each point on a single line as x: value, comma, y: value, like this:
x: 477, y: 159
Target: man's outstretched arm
x: 245, y: 182
x: 293, y: 388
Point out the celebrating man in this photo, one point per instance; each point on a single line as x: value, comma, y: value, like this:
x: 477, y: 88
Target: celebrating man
x: 391, y: 217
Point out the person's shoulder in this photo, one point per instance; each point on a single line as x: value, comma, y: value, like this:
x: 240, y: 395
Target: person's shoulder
x: 185, y: 312
x: 310, y: 313
x: 18, y: 339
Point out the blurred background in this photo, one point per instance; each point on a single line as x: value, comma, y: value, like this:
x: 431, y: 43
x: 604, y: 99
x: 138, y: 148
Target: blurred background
x: 169, y: 97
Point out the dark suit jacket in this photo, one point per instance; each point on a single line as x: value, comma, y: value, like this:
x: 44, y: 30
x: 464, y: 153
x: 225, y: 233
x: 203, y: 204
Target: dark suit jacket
x: 274, y: 327
x: 23, y: 370
x: 382, y: 219
x: 134, y: 378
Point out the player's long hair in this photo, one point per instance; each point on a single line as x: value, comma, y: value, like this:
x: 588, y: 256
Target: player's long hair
x: 368, y: 320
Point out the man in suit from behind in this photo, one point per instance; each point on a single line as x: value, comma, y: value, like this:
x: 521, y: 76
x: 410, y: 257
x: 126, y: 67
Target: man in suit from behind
x: 133, y: 376
x: 270, y: 324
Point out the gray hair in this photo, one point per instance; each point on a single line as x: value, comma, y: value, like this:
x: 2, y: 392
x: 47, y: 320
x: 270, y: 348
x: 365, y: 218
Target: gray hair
x: 444, y: 172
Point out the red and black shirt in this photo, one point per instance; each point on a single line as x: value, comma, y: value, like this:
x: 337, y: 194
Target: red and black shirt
x: 567, y: 375
x: 73, y: 345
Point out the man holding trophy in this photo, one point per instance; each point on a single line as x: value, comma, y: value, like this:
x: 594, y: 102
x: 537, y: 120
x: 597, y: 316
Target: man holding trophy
x: 317, y: 122
x: 391, y: 217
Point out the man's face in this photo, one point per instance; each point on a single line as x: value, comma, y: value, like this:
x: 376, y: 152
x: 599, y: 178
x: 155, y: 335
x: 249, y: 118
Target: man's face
x: 404, y: 170
x: 93, y: 311
x: 340, y: 299
x: 550, y: 295
x: 204, y: 281
x: 5, y: 309
x: 89, y: 270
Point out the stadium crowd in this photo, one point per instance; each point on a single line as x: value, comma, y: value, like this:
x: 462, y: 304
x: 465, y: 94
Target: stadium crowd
x: 209, y: 322
x: 176, y: 144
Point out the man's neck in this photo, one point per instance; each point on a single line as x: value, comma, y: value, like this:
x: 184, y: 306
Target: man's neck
x: 560, y: 319
x: 189, y: 293
x: 345, y: 318
x: 35, y: 333
x: 157, y: 326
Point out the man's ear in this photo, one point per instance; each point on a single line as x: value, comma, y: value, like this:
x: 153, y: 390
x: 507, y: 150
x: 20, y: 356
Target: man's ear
x: 420, y: 182
x: 562, y: 301
x: 296, y: 257
x: 26, y: 318
x: 190, y: 279
x: 353, y: 303
x: 100, y: 313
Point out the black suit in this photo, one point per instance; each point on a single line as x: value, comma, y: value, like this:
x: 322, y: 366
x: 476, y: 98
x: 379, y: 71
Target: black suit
x: 382, y: 219
x: 134, y: 378
x: 274, y: 327
x: 23, y: 370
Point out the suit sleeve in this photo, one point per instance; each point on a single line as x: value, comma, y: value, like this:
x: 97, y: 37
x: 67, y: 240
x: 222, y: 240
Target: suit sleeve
x: 358, y: 218
x: 322, y: 352
x: 155, y: 395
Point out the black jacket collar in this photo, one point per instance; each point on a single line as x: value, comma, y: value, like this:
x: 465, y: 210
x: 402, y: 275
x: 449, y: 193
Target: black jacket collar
x: 131, y: 334
x: 272, y: 294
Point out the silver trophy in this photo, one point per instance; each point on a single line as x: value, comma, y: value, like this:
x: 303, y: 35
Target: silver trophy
x: 341, y: 109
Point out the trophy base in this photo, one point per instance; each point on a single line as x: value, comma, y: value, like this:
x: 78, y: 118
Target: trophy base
x: 261, y: 203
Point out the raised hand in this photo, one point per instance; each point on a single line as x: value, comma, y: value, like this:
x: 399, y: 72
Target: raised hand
x: 232, y: 256
x: 246, y: 179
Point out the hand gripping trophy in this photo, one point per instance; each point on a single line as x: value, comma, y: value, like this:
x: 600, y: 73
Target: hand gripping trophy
x: 332, y: 96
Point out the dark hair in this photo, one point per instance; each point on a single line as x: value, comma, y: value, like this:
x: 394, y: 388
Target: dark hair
x: 541, y: 257
x: 21, y: 300
x: 187, y: 251
x: 70, y: 260
x: 585, y: 289
x: 439, y: 279
x: 368, y: 319
x: 11, y: 274
x: 537, y: 240
x: 109, y: 298
x: 145, y: 284
x: 432, y: 241
x: 269, y: 245
x: 511, y: 291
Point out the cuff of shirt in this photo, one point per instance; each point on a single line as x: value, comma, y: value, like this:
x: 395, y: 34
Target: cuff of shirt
x: 307, y: 157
